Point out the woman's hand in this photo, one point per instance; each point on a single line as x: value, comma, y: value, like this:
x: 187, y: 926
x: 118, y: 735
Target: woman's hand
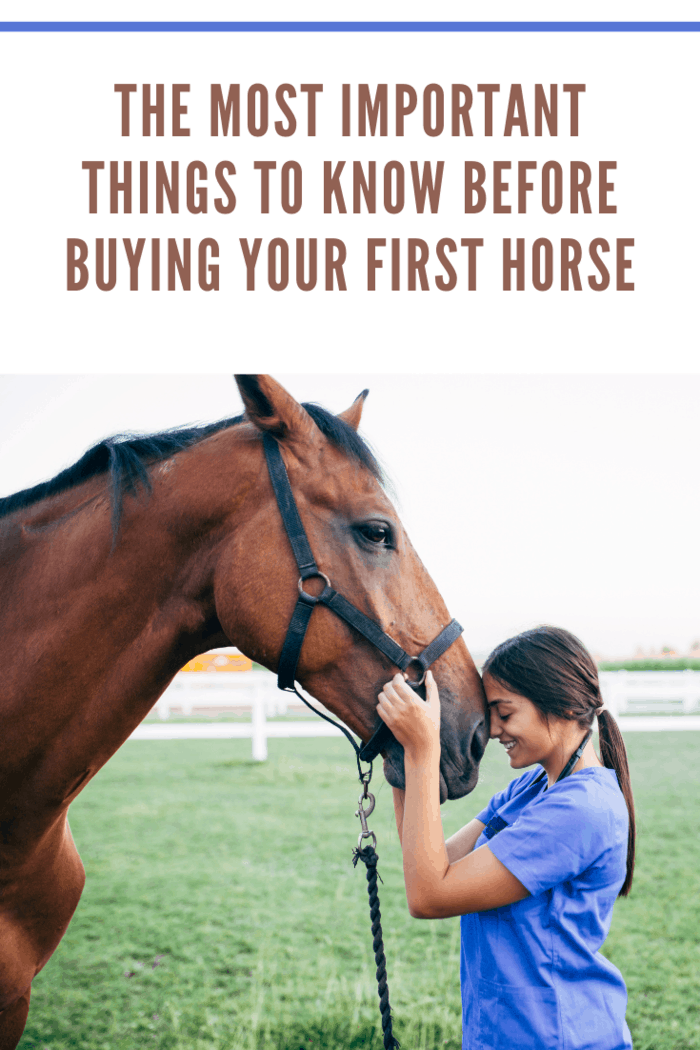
x: 414, y: 722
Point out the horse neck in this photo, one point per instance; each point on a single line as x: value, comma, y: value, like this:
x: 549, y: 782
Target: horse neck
x: 91, y: 632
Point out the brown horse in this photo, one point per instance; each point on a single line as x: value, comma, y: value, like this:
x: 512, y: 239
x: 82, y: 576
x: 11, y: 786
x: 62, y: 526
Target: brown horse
x: 152, y: 550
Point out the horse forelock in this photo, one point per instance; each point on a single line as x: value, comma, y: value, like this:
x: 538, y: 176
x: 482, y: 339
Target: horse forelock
x: 345, y: 438
x: 124, y: 458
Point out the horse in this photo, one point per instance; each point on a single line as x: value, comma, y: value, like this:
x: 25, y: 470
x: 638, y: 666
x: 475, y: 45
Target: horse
x: 151, y: 550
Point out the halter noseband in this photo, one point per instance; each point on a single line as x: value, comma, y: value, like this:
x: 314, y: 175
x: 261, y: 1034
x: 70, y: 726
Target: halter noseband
x: 306, y: 603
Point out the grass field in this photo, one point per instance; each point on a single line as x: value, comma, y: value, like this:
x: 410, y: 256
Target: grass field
x: 222, y: 911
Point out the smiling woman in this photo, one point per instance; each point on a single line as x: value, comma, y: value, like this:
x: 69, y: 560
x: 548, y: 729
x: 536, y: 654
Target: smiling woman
x: 536, y: 901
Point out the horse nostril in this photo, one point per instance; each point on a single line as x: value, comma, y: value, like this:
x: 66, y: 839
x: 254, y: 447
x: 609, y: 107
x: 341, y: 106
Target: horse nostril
x: 477, y: 745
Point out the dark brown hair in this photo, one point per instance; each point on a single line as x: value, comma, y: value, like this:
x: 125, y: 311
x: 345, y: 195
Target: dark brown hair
x: 555, y: 671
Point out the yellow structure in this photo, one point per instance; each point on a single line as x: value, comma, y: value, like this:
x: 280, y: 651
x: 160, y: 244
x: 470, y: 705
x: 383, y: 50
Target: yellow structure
x: 220, y: 660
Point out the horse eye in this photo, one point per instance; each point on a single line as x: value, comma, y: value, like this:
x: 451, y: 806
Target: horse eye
x: 376, y: 533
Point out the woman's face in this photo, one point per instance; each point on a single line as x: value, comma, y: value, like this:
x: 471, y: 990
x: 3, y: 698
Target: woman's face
x: 520, y: 729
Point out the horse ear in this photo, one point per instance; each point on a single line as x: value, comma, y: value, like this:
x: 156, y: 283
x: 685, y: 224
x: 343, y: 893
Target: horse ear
x: 353, y: 415
x: 269, y: 407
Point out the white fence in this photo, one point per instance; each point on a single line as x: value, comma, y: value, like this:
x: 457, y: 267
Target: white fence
x: 191, y: 689
x: 625, y: 692
x: 651, y: 692
x: 643, y: 701
x: 256, y: 690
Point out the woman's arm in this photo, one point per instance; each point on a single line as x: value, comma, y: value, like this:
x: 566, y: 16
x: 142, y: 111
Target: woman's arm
x: 464, y: 840
x: 399, y: 801
x: 458, y: 845
x: 436, y: 886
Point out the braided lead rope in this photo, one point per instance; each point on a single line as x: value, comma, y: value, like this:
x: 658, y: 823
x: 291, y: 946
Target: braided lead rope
x: 369, y: 858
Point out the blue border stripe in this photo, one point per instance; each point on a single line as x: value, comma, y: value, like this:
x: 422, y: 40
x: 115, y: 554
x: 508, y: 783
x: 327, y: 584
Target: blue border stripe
x: 349, y: 27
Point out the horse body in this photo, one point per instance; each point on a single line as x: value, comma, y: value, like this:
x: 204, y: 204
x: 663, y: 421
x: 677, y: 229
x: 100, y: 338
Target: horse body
x: 94, y: 625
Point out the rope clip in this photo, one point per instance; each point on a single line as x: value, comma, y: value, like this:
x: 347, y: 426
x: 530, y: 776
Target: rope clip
x: 363, y: 814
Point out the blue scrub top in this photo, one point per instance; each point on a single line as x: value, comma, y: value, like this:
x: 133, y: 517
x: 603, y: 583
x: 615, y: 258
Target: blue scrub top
x: 532, y: 973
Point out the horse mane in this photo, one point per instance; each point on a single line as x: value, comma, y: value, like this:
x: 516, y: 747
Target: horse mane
x: 125, y: 458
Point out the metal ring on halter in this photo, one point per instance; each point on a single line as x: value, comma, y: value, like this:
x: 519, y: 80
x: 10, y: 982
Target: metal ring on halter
x: 421, y: 680
x: 303, y: 579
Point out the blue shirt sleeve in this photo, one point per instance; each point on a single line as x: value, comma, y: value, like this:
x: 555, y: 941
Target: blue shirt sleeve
x: 559, y: 835
x: 512, y: 789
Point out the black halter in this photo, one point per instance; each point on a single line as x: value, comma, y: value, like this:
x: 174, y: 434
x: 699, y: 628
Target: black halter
x: 369, y: 629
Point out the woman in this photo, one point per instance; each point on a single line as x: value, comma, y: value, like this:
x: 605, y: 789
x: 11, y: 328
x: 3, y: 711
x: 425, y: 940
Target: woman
x: 535, y: 875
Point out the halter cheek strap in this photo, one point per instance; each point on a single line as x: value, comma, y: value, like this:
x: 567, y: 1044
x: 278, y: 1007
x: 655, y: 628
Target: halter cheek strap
x: 306, y: 603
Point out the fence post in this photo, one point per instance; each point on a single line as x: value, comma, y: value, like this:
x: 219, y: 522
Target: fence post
x: 259, y: 734
x: 691, y: 690
x: 613, y: 691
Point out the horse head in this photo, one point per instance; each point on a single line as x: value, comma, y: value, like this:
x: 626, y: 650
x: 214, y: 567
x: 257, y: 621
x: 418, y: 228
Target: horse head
x: 360, y: 544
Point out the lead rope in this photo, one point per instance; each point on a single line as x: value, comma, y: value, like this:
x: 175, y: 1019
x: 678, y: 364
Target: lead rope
x: 369, y: 857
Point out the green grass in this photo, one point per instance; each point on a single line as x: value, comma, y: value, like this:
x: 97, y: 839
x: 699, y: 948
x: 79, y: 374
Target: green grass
x: 666, y: 663
x: 222, y: 911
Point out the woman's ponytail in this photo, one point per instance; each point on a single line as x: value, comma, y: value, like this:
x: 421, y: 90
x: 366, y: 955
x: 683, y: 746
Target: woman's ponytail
x: 614, y: 755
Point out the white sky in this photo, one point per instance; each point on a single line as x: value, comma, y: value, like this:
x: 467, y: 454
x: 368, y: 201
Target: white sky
x: 533, y: 498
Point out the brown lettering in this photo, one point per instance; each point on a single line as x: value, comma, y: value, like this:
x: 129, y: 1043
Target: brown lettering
x: 517, y: 264
x: 250, y: 255
x: 76, y: 255
x: 228, y: 113
x: 332, y: 188
x: 196, y: 195
x: 334, y: 263
x: 179, y: 263
x: 158, y: 109
x: 500, y: 187
x: 624, y: 264
x: 443, y: 246
x: 488, y: 91
x: 223, y: 168
x: 206, y: 268
x: 515, y: 115
x: 278, y: 284
x: 179, y: 110
x: 125, y: 90
x: 92, y: 166
x: 418, y: 253
x: 311, y: 91
x: 599, y: 244
x: 291, y: 125
x: 265, y: 167
x: 549, y: 112
x: 306, y: 286
x: 570, y: 264
x: 255, y: 93
x: 461, y: 104
x: 406, y: 100
x: 574, y: 90
x: 471, y: 244
x: 133, y: 256
x: 106, y: 284
x: 373, y: 263
x: 471, y: 184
